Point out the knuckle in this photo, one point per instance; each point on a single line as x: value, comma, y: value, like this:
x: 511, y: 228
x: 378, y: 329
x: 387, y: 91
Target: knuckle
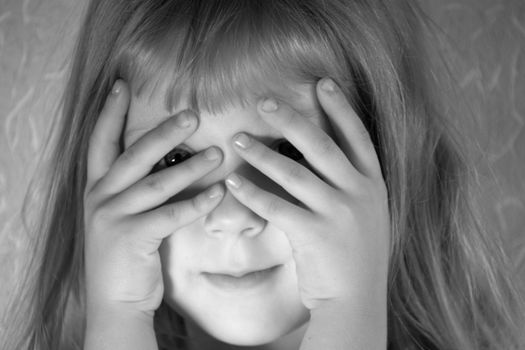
x: 294, y: 172
x: 155, y: 183
x: 129, y: 155
x: 325, y: 145
x: 173, y: 212
x: 273, y: 207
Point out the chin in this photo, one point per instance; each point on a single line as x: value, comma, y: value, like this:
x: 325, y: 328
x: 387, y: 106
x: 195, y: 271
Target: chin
x: 243, y: 336
x: 242, y: 321
x: 252, y: 332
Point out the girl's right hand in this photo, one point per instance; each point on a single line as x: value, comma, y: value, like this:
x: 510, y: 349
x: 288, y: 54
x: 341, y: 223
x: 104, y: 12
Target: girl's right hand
x: 125, y: 215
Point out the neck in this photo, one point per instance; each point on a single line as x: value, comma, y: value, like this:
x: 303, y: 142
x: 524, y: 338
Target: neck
x: 200, y: 340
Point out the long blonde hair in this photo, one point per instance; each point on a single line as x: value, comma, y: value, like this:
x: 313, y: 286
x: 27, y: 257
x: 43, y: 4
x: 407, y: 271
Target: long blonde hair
x: 450, y: 286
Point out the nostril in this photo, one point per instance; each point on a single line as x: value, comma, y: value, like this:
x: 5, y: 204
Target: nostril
x: 250, y: 231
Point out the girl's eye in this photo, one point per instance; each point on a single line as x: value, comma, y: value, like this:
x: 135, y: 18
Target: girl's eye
x: 287, y: 149
x: 174, y: 157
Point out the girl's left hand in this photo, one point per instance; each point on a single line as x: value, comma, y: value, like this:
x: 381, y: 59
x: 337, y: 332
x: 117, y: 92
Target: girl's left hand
x: 340, y: 237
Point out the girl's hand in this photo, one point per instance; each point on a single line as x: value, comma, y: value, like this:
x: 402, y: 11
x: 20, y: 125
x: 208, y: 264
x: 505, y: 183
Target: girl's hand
x: 340, y: 237
x: 125, y: 219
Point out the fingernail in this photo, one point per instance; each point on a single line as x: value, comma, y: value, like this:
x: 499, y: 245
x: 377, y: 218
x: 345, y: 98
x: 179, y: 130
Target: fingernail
x: 328, y: 85
x: 233, y: 181
x: 117, y: 86
x: 184, y: 120
x: 242, y: 141
x: 270, y: 105
x: 211, y: 153
x: 214, y: 192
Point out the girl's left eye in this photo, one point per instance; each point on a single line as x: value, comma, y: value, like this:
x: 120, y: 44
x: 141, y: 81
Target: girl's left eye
x: 287, y: 149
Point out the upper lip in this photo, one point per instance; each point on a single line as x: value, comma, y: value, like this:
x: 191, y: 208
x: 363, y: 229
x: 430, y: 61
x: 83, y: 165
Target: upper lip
x: 239, y: 273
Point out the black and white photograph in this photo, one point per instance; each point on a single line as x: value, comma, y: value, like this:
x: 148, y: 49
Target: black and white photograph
x: 262, y: 175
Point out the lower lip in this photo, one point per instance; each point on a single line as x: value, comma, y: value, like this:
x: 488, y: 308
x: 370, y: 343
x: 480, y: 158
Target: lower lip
x: 248, y: 281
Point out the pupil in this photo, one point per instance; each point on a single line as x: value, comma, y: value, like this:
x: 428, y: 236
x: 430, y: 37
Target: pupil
x: 175, y: 157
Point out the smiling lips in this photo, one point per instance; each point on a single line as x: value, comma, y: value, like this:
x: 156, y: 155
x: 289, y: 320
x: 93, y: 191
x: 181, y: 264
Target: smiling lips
x: 241, y: 280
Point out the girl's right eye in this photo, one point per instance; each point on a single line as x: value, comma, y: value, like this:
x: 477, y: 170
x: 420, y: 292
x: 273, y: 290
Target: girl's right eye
x: 174, y: 157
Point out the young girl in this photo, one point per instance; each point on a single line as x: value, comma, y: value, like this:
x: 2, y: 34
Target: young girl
x: 260, y: 173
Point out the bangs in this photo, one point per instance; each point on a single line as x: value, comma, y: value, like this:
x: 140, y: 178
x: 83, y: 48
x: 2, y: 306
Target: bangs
x: 225, y: 52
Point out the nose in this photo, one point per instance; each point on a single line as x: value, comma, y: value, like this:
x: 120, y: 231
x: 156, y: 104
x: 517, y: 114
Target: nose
x: 231, y: 217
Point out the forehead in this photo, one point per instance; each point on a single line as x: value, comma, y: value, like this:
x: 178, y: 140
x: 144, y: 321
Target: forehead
x: 149, y: 109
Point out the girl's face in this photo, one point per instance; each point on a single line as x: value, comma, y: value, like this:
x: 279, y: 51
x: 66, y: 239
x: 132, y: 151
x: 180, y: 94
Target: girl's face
x: 231, y: 240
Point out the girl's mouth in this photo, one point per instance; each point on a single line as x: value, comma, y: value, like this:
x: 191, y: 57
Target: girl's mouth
x: 248, y: 280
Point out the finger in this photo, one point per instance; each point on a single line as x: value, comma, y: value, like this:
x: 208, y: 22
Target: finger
x: 104, y: 142
x: 294, y: 177
x: 137, y: 160
x: 168, y: 218
x: 353, y: 135
x: 155, y: 189
x: 286, y: 216
x: 318, y: 148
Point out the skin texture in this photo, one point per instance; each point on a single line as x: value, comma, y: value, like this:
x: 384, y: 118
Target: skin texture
x: 325, y: 220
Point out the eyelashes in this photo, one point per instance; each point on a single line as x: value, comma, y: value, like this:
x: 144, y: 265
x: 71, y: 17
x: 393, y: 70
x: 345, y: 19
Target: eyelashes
x: 179, y: 155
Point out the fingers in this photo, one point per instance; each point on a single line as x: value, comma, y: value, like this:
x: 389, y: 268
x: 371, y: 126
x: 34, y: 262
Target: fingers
x: 168, y: 218
x: 294, y: 177
x: 351, y: 132
x: 318, y: 148
x: 104, y: 143
x: 157, y: 188
x: 137, y: 161
x: 294, y: 221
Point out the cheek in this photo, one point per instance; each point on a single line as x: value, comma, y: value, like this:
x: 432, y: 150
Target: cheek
x: 181, y: 257
x: 190, y: 250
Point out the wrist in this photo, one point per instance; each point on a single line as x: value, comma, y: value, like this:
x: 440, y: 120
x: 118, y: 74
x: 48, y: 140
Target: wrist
x: 109, y: 314
x: 119, y: 328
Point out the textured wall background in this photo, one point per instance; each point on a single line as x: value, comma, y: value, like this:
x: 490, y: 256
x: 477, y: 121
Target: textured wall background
x: 486, y: 50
